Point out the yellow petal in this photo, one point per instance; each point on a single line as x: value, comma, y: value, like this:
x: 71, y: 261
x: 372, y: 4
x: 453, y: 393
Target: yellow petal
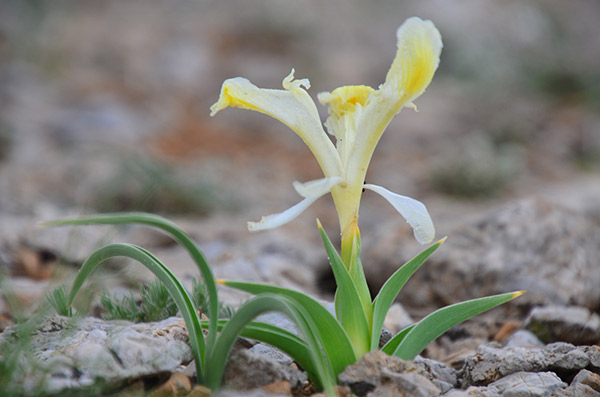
x: 292, y: 106
x: 417, y: 58
x: 343, y: 100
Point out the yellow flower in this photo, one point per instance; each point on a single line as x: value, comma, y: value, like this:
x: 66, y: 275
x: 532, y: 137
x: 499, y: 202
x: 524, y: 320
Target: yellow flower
x: 358, y: 116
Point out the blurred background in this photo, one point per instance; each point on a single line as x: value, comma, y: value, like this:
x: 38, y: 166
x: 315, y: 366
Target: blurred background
x: 104, y: 106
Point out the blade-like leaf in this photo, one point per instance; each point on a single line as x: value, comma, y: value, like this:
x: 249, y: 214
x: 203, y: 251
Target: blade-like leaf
x: 350, y: 311
x: 267, y: 303
x: 280, y: 338
x: 178, y: 235
x: 390, y: 290
x: 338, y: 347
x: 393, y: 343
x: 438, y: 322
x: 176, y: 290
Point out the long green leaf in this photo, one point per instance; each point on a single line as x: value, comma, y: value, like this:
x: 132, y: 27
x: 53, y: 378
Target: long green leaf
x: 393, y: 343
x: 178, y: 235
x: 357, y: 274
x: 438, y: 322
x: 335, y: 341
x: 390, y: 290
x: 171, y: 283
x: 280, y: 338
x: 267, y: 303
x: 350, y: 312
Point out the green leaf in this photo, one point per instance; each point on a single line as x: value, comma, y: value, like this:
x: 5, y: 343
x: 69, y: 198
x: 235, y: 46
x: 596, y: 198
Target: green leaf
x: 178, y: 235
x: 280, y: 338
x: 390, y: 290
x: 393, y: 343
x: 357, y: 274
x: 176, y: 290
x: 350, y: 311
x: 438, y: 322
x: 334, y: 339
x: 267, y: 303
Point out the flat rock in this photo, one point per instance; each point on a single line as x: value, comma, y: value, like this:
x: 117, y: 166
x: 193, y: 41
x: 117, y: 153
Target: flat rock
x: 74, y: 353
x: 572, y: 324
x: 546, y: 249
x: 528, y: 384
x: 378, y: 374
x: 491, y: 363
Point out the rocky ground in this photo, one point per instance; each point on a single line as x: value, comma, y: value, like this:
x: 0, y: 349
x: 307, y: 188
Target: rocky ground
x: 104, y: 107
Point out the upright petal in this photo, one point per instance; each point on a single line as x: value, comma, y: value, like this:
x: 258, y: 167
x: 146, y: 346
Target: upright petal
x: 417, y: 58
x: 412, y: 210
x: 292, y: 106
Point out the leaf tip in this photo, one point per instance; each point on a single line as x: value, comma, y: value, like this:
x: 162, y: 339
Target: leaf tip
x: 221, y: 281
x: 319, y: 225
x: 518, y: 293
x: 442, y: 241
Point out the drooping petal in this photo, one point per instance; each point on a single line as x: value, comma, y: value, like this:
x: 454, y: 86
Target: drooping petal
x: 318, y: 187
x: 412, y: 210
x: 292, y: 106
x: 276, y: 220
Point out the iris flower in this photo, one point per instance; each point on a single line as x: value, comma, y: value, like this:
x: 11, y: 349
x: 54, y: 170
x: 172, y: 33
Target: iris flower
x: 358, y: 116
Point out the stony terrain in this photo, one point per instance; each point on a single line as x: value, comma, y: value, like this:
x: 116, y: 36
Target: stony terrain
x: 104, y: 107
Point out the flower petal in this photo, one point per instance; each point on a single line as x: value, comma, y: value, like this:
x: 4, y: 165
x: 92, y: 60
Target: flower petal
x: 318, y: 187
x: 412, y: 210
x: 276, y: 220
x: 417, y: 58
x: 292, y: 106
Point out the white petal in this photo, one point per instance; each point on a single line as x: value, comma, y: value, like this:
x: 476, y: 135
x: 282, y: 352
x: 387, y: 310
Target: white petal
x: 412, y: 210
x: 293, y: 106
x: 318, y: 187
x: 276, y: 220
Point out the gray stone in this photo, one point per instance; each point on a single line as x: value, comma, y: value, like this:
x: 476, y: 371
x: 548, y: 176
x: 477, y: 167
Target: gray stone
x: 523, y: 338
x: 548, y: 250
x: 492, y: 363
x: 585, y: 382
x: 247, y: 370
x: 271, y: 353
x: 376, y: 372
x: 527, y: 384
x: 73, y: 353
x: 408, y: 384
x: 572, y: 324
x: 442, y: 376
